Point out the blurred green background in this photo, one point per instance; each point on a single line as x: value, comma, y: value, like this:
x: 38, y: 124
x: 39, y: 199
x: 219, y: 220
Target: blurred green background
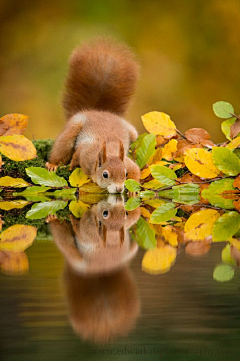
x: 189, y: 52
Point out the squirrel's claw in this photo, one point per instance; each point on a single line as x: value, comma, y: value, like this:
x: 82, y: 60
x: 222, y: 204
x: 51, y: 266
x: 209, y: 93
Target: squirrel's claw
x: 50, y: 218
x: 51, y: 167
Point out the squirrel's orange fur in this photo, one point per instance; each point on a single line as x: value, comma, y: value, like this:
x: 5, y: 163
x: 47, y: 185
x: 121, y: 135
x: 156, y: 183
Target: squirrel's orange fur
x: 101, y: 80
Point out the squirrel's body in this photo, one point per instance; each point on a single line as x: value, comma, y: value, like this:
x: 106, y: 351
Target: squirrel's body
x: 101, y: 80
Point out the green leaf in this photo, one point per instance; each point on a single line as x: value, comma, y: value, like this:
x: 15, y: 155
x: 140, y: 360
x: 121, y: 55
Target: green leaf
x: 31, y: 191
x: 223, y: 273
x: 138, y: 141
x: 214, y: 191
x: 226, y: 161
x: 226, y: 127
x: 145, y: 236
x: 68, y: 194
x: 226, y: 255
x: 163, y: 213
x: 226, y: 226
x: 185, y: 194
x: 78, y: 208
x: 145, y: 150
x: 163, y: 174
x: 147, y: 194
x: 43, y: 177
x: 132, y: 203
x: 223, y: 109
x: 78, y: 178
x: 132, y: 185
x: 42, y: 210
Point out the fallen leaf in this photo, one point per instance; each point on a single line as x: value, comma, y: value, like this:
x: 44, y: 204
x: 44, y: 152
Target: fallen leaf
x: 159, y: 123
x: 13, y: 182
x: 17, y: 238
x: 197, y: 135
x: 145, y: 173
x: 159, y: 260
x: 145, y: 212
x: 78, y: 178
x: 235, y: 143
x: 8, y: 205
x: 170, y: 235
x: 169, y: 150
x: 156, y: 157
x: 78, y: 208
x: 17, y: 147
x: 235, y: 129
x: 15, y: 264
x: 197, y: 248
x: 200, y: 163
x: 237, y: 205
x: 200, y: 224
x: 13, y: 124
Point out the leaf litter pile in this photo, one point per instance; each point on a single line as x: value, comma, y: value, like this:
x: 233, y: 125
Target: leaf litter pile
x: 189, y: 192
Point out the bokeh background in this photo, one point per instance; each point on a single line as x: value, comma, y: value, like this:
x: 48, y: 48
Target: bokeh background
x: 189, y: 52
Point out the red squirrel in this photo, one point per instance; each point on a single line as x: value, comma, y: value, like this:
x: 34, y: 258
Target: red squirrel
x: 101, y: 81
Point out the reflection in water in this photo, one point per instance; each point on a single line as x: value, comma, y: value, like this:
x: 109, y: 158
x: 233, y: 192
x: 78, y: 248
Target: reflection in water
x: 101, y: 293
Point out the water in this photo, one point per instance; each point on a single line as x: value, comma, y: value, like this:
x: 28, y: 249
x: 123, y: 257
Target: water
x: 47, y: 313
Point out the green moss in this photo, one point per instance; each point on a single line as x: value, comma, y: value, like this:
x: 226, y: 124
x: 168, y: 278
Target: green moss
x: 43, y: 147
x: 17, y: 169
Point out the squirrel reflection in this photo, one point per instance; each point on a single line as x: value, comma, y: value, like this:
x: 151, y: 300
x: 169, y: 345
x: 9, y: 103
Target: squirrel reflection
x: 101, y: 293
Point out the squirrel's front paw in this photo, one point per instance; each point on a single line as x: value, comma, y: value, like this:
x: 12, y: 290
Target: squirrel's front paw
x: 50, y: 218
x: 51, y: 167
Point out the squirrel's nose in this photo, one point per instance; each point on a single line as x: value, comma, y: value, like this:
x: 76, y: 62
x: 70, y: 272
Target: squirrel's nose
x: 119, y: 189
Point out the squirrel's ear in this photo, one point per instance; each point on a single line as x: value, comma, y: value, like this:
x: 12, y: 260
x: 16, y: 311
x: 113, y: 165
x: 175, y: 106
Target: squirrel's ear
x: 121, y: 234
x: 121, y: 150
x: 104, y: 152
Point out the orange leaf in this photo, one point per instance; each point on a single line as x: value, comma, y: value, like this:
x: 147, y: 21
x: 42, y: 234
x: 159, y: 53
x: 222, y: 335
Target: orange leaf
x: 15, y: 263
x: 197, y: 248
x: 235, y: 129
x: 236, y: 182
x: 13, y: 124
x: 237, y: 205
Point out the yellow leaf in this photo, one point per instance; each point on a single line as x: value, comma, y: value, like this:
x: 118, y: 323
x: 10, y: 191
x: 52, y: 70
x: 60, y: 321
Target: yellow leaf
x: 17, y: 238
x: 155, y: 203
x: 176, y: 167
x: 145, y: 173
x: 179, y: 159
x: 159, y: 260
x: 199, y: 225
x: 153, y: 184
x: 200, y: 162
x: 170, y: 236
x: 13, y: 124
x: 91, y: 188
x: 15, y: 264
x: 169, y: 149
x: 156, y: 157
x: 78, y: 208
x: 235, y: 243
x: 234, y: 143
x: 145, y: 212
x: 159, y: 123
x: 78, y: 178
x: 13, y: 182
x: 17, y: 147
x: 8, y: 205
x: 157, y: 228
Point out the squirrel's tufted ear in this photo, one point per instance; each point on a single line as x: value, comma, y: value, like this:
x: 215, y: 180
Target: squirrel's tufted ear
x: 121, y: 234
x: 121, y: 150
x: 102, y: 156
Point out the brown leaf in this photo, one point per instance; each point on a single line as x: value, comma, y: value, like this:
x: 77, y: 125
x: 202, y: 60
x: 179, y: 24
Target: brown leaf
x: 235, y: 129
x: 197, y: 248
x: 13, y: 124
x: 236, y: 182
x: 183, y: 145
x: 230, y: 194
x: 160, y: 140
x: 207, y: 143
x: 15, y: 263
x: 237, y: 205
x: 197, y: 135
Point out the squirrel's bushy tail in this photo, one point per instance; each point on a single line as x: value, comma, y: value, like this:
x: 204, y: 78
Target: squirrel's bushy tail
x: 102, y: 76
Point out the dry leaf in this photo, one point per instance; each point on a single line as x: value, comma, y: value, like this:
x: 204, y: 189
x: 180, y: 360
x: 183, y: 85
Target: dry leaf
x: 17, y: 238
x: 145, y: 212
x: 235, y: 129
x: 170, y: 235
x: 159, y: 123
x: 199, y: 225
x: 169, y: 149
x: 156, y: 157
x: 237, y: 205
x: 159, y: 260
x: 145, y: 173
x: 197, y: 135
x: 17, y: 147
x: 13, y: 124
x: 197, y: 248
x: 13, y: 182
x: 15, y: 263
x: 200, y: 163
x: 8, y: 205
x: 235, y: 143
x: 236, y: 183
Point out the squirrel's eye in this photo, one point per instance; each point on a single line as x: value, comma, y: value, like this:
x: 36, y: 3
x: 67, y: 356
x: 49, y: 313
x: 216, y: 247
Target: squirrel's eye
x: 105, y: 174
x: 126, y: 174
x: 105, y: 214
x: 126, y: 213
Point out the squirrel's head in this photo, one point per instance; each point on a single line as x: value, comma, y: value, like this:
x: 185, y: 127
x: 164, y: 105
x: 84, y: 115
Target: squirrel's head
x: 110, y: 170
